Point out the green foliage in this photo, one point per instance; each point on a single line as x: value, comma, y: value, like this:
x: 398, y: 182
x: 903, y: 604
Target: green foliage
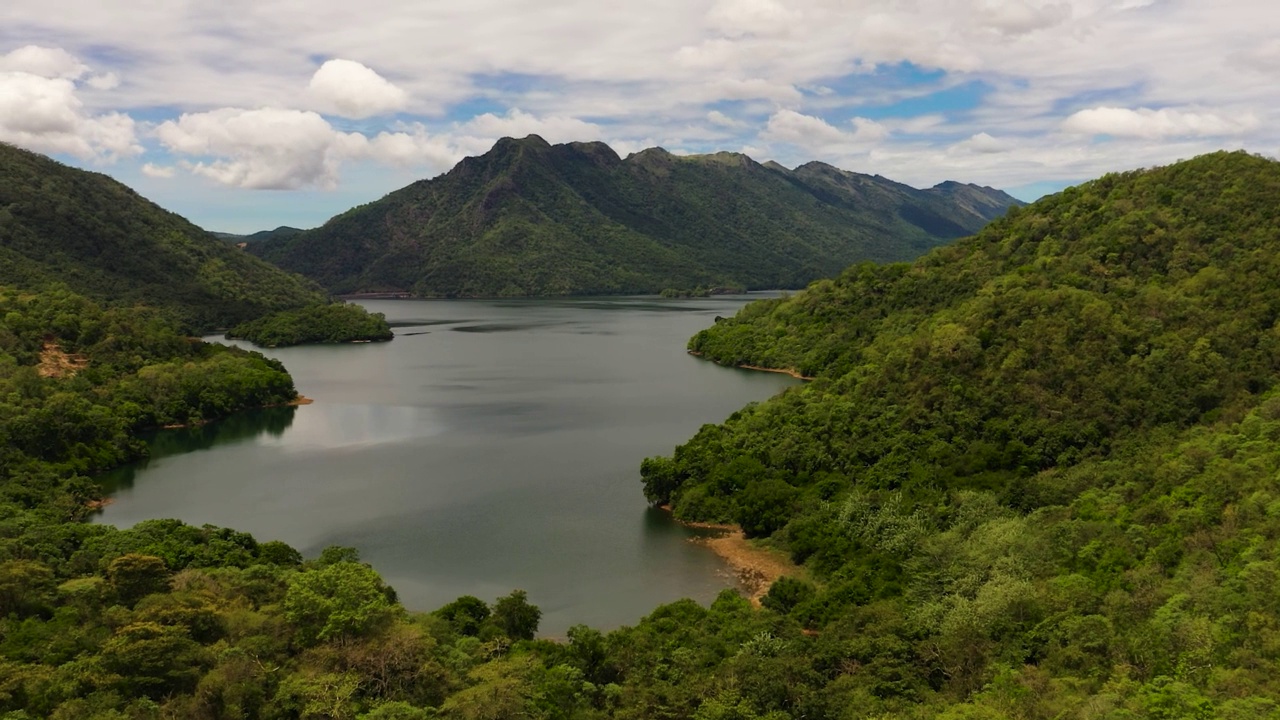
x: 334, y: 323
x: 515, y: 616
x: 529, y: 218
x: 466, y: 615
x: 1034, y: 469
x: 337, y: 602
x: 994, y: 523
x: 60, y: 225
x: 135, y: 576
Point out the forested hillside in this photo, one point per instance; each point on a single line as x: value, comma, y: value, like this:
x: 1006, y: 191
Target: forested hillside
x: 1036, y: 468
x: 332, y: 323
x: 529, y: 218
x: 1034, y: 479
x: 60, y: 225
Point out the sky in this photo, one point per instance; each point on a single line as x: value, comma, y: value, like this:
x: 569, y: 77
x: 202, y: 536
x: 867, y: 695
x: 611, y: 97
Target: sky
x: 244, y: 115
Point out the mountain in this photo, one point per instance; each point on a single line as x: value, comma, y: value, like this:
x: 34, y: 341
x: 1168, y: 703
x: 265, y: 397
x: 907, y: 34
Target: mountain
x: 101, y: 239
x: 233, y: 238
x: 1035, y: 470
x: 530, y: 218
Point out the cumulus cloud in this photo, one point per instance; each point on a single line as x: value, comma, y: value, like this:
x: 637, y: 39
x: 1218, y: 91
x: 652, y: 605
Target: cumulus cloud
x: 414, y: 148
x: 43, y: 62
x: 817, y: 135
x: 651, y: 72
x: 349, y: 89
x: 517, y: 123
x: 264, y: 149
x: 866, y: 130
x: 982, y: 144
x: 1147, y: 123
x: 792, y: 127
x: 44, y: 114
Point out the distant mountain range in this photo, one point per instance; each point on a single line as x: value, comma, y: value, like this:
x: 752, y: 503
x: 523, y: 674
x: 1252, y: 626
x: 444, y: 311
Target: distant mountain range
x: 531, y: 218
x: 60, y: 225
x: 233, y: 238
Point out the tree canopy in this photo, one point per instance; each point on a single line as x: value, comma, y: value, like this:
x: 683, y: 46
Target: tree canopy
x: 64, y: 226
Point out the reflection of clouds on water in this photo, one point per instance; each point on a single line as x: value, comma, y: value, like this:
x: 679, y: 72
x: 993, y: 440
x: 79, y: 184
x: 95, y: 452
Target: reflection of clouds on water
x: 340, y: 426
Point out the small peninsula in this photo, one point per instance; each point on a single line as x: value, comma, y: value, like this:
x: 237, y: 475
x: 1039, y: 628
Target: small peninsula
x: 333, y: 323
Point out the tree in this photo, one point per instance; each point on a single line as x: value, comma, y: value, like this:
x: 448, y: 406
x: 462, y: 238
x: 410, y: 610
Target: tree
x: 26, y: 587
x: 154, y: 660
x: 764, y: 507
x: 516, y: 617
x: 135, y: 576
x: 337, y: 602
x: 466, y: 614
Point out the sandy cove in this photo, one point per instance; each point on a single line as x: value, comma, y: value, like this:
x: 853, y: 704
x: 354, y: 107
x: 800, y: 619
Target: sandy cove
x: 754, y: 566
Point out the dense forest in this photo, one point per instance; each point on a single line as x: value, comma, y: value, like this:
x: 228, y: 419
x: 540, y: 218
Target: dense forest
x: 332, y: 323
x: 64, y: 226
x: 1033, y: 479
x: 530, y: 218
x: 1036, y: 468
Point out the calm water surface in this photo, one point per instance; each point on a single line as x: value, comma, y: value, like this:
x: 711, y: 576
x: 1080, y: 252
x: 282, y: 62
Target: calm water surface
x: 492, y: 445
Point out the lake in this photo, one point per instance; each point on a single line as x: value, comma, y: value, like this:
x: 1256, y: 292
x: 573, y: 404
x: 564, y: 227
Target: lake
x: 492, y: 445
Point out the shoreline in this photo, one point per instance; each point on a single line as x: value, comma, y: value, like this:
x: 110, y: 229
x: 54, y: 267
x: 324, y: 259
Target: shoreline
x: 759, y: 368
x: 300, y: 400
x: 754, y: 567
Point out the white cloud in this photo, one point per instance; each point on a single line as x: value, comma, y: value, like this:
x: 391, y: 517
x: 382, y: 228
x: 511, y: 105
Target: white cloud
x: 1018, y: 17
x: 265, y: 149
x: 655, y: 72
x: 414, y: 148
x: 866, y: 130
x: 982, y: 144
x: 43, y: 62
x: 715, y: 117
x: 752, y: 89
x: 44, y: 114
x: 1262, y: 58
x: 818, y: 136
x: 793, y: 127
x: 516, y: 123
x: 349, y: 89
x: 755, y: 17
x: 157, y: 171
x: 106, y: 81
x: 1147, y: 123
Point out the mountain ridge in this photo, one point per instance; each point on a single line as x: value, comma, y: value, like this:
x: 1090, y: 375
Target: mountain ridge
x: 532, y: 218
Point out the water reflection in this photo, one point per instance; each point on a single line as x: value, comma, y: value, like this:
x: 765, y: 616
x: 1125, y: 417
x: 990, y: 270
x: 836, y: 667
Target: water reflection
x: 502, y: 456
x: 242, y: 427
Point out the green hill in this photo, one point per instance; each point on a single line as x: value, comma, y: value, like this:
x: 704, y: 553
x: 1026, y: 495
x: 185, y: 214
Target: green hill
x: 233, y: 238
x: 529, y: 218
x: 1037, y: 464
x: 1035, y: 478
x: 91, y: 233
